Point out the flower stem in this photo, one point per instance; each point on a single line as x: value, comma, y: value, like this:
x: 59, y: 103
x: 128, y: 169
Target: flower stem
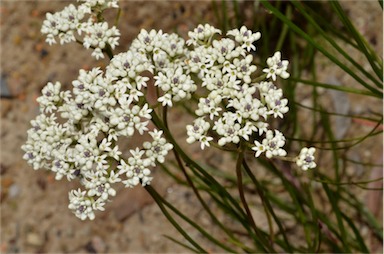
x: 240, y: 186
x: 267, y: 207
x: 232, y: 203
x: 108, y: 51
x: 159, y: 200
x: 203, y: 203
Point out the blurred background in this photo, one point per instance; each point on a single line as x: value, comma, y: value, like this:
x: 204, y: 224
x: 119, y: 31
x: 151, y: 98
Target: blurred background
x: 34, y: 213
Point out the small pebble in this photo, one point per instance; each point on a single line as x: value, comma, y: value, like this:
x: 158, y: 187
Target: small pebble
x: 14, y: 191
x: 98, y: 244
x: 34, y: 239
x: 4, y: 90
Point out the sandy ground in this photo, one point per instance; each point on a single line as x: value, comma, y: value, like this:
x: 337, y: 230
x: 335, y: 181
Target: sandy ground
x: 34, y: 213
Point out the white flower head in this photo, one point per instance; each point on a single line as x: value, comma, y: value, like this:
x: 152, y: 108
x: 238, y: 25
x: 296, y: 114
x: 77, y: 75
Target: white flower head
x: 72, y: 20
x: 198, y: 130
x: 105, y: 106
x: 202, y: 34
x: 245, y: 37
x: 272, y: 145
x: 83, y: 206
x: 277, y: 67
x: 306, y: 159
x: 98, y: 36
x: 51, y: 97
x: 176, y: 84
x: 158, y: 148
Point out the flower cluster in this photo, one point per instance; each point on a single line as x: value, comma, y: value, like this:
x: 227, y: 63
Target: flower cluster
x: 167, y: 53
x: 235, y: 108
x: 77, y: 132
x: 82, y: 21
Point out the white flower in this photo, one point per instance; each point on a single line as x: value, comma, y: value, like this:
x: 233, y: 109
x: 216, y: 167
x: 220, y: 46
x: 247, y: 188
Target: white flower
x: 158, y: 148
x: 259, y: 148
x: 245, y: 89
x: 62, y: 168
x: 209, y: 105
x: 65, y: 23
x: 98, y: 36
x: 200, y: 60
x: 136, y: 170
x: 88, y: 5
x: 277, y: 67
x: 166, y: 100
x: 244, y: 69
x: 228, y: 128
x: 246, y: 108
x: 51, y: 27
x: 174, y: 45
x: 115, y: 153
x: 262, y: 127
x: 43, y: 138
x: 97, y: 53
x: 271, y: 145
x: 274, y: 144
x: 147, y: 42
x: 204, y: 141
x: 174, y: 82
x: 224, y: 49
x: 198, y: 130
x: 202, y: 34
x: 83, y: 206
x: 105, y: 106
x: 245, y: 37
x: 128, y: 64
x: 99, y: 186
x: 51, y: 97
x: 306, y: 158
x: 224, y: 85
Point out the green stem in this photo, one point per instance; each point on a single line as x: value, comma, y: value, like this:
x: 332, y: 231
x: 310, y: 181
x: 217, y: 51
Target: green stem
x: 156, y: 120
x: 160, y: 201
x: 108, y: 51
x: 191, y: 184
x: 118, y: 16
x: 284, y: 31
x: 267, y: 205
x: 242, y: 196
x: 231, y: 204
x: 333, y: 87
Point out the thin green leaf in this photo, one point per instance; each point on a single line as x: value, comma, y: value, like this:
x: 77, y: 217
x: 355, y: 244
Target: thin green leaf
x: 265, y: 201
x: 316, y: 242
x: 319, y: 47
x: 300, y: 7
x: 160, y: 202
x: 359, y: 238
x: 238, y: 16
x: 333, y: 87
x: 333, y: 198
x: 335, y: 114
x: 181, y: 244
x: 359, y: 40
x: 328, y: 26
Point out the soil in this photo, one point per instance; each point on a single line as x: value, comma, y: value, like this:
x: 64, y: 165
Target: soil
x: 34, y: 213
